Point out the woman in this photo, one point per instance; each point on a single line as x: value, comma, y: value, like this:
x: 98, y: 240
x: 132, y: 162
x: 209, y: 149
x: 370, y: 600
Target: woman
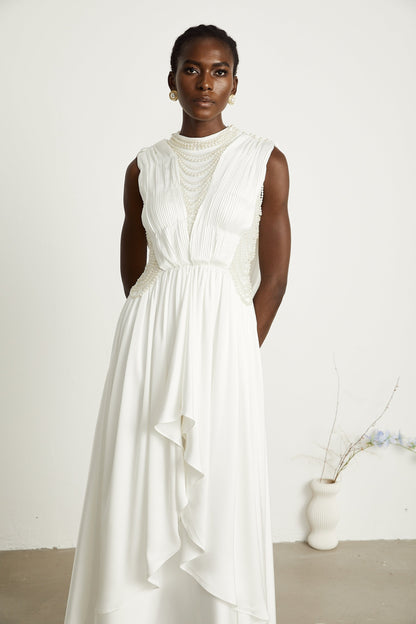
x: 175, y: 527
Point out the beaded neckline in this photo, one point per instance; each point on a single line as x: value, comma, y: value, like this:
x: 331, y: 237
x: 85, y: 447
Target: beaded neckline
x: 210, y: 140
x: 197, y: 158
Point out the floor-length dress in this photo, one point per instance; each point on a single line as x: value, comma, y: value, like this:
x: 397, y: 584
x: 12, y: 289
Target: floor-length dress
x: 175, y: 527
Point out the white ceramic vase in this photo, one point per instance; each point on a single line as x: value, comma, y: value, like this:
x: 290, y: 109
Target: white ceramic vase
x: 323, y: 514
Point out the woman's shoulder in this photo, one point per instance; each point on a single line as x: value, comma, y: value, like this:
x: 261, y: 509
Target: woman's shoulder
x: 137, y: 163
x: 263, y: 147
x: 266, y: 142
x: 144, y: 154
x: 254, y: 137
x: 151, y: 146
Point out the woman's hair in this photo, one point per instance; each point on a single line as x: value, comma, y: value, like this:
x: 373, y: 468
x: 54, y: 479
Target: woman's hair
x: 202, y: 30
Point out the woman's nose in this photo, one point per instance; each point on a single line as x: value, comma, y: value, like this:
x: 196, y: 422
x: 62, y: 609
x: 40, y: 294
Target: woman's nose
x: 204, y: 81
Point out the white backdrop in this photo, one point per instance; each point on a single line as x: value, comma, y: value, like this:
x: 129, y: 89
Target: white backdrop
x: 84, y: 87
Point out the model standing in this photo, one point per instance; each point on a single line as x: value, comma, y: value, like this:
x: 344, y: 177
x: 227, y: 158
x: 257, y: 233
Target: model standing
x: 175, y: 527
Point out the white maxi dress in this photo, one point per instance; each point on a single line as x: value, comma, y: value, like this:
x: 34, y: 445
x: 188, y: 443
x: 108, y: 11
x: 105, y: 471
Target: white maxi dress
x: 175, y: 527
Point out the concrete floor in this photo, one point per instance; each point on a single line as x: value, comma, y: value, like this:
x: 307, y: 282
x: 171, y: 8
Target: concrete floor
x: 359, y: 582
x: 356, y: 583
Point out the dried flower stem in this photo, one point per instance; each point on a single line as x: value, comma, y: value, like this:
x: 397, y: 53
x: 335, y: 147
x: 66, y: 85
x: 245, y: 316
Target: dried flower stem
x: 405, y: 447
x: 343, y: 463
x: 334, y: 421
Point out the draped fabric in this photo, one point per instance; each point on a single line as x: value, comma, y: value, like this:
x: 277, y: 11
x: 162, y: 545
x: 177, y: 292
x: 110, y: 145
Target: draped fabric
x: 175, y: 527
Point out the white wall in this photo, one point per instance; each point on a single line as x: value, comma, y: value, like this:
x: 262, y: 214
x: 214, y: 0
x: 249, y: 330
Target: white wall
x: 84, y: 86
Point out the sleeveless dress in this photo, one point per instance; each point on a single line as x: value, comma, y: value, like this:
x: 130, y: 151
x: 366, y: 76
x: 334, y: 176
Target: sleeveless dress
x: 175, y: 527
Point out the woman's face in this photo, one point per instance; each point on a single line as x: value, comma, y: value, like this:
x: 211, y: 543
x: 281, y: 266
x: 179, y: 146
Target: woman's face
x: 205, y: 70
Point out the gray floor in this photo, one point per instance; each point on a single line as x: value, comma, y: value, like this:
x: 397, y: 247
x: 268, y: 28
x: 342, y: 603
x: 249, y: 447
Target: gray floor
x: 356, y: 583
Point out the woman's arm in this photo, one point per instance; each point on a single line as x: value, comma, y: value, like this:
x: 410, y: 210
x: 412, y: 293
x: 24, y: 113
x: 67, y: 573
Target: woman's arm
x: 274, y: 243
x: 133, y: 244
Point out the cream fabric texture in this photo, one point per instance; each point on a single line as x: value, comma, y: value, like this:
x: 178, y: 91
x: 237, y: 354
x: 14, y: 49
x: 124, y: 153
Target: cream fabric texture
x: 175, y: 527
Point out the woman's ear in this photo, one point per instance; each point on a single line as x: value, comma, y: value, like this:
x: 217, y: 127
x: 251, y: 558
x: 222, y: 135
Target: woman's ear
x: 171, y: 80
x: 235, y: 80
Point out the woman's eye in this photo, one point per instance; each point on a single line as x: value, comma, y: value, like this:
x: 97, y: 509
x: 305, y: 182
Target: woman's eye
x: 220, y: 72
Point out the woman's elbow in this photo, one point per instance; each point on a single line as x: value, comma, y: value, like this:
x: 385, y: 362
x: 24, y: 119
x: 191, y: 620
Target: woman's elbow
x: 275, y: 287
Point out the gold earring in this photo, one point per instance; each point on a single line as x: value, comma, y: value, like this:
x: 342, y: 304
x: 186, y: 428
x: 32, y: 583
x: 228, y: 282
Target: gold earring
x: 173, y: 95
x: 231, y: 99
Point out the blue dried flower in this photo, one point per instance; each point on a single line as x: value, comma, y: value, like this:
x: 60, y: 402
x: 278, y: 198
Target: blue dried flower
x: 380, y: 438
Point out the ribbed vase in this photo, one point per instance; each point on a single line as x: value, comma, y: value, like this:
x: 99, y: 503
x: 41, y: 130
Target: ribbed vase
x: 323, y: 514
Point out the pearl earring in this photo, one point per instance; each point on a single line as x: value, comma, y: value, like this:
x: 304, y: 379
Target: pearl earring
x: 173, y: 95
x: 231, y: 99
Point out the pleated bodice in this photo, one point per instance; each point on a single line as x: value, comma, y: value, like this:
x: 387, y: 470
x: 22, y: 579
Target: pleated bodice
x: 202, y: 205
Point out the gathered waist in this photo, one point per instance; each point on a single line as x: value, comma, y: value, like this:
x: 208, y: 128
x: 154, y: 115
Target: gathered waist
x: 153, y: 271
x: 196, y: 266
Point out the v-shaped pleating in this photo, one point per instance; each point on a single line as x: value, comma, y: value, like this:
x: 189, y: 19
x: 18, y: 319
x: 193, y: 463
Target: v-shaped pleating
x: 214, y: 182
x: 226, y: 212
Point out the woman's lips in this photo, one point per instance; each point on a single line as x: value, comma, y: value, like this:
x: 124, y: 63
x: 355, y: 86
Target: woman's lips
x: 204, y: 102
